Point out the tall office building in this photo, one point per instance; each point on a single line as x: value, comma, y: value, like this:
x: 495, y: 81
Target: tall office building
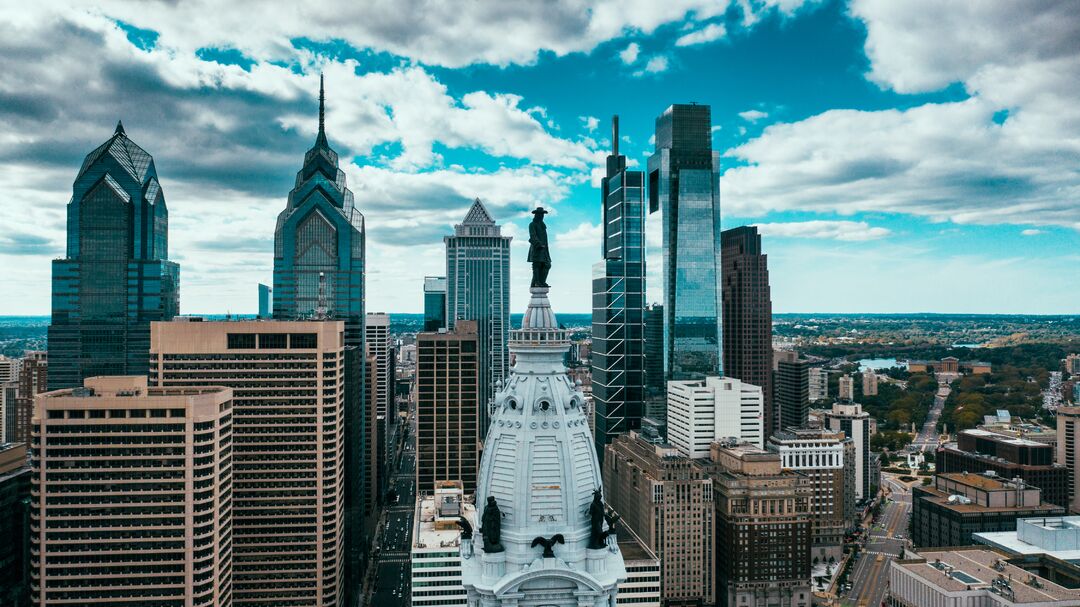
x: 33, y: 378
x: 288, y: 469
x: 819, y: 455
x: 819, y: 384
x: 747, y: 314
x: 684, y: 183
x: 447, y: 435
x: 319, y: 272
x: 1068, y: 451
x: 9, y: 402
x: 762, y: 529
x: 478, y: 288
x: 380, y: 345
x: 850, y: 419
x: 132, y: 495
x: 666, y: 498
x: 9, y: 369
x: 434, y: 303
x: 618, y: 302
x: 116, y: 277
x: 266, y: 301
x: 703, y: 411
x: 792, y: 392
x: 14, y: 516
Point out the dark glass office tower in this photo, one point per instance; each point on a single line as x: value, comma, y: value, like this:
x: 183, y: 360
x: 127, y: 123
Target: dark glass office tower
x: 792, y: 399
x: 319, y: 274
x: 116, y: 277
x: 434, y: 303
x: 684, y: 183
x: 478, y: 288
x: 747, y: 314
x: 618, y: 302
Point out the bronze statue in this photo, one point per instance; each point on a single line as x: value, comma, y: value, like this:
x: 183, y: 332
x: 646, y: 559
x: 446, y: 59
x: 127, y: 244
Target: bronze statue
x: 548, y: 544
x: 539, y: 256
x: 491, y: 523
x: 597, y: 517
x: 466, y: 528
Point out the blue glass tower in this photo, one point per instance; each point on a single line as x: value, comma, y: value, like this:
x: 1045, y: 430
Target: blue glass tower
x: 319, y: 274
x: 618, y: 302
x: 684, y: 183
x: 116, y: 277
x: 434, y: 303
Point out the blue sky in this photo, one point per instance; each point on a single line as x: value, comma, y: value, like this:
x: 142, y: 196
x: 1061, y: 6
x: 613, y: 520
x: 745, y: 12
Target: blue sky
x: 898, y: 157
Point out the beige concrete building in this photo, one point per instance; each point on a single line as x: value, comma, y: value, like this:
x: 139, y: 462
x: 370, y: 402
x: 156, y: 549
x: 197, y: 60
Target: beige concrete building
x: 380, y: 346
x: 667, y: 500
x: 448, y: 407
x: 1068, y: 450
x: 762, y: 528
x: 132, y: 496
x: 847, y: 388
x: 869, y: 383
x: 289, y: 489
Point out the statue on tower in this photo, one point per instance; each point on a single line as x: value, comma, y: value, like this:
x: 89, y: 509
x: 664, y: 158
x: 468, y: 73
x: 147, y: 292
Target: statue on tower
x: 491, y: 523
x: 539, y: 256
x: 597, y: 517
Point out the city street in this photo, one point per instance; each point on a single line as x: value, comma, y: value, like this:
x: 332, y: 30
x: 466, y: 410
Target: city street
x: 927, y: 439
x: 392, y: 578
x: 870, y: 576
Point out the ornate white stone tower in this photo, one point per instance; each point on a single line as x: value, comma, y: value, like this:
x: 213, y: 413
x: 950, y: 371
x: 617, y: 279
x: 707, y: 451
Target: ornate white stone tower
x: 540, y: 466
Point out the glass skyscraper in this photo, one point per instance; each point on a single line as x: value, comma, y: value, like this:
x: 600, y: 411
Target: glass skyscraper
x: 478, y: 288
x: 319, y: 274
x: 116, y: 277
x: 434, y: 303
x: 618, y: 302
x: 684, y: 184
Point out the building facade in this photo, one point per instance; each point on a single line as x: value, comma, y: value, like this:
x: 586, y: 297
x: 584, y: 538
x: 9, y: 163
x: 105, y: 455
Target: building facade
x: 701, y: 412
x: 747, y: 314
x: 793, y: 392
x: 266, y: 301
x: 666, y: 498
x: 380, y: 346
x: 540, y: 485
x: 684, y: 185
x: 618, y: 302
x: 33, y: 380
x: 763, y: 528
x: 289, y: 485
x: 1068, y: 451
x: 642, y: 585
x: 447, y: 408
x: 869, y: 383
x: 850, y: 419
x: 980, y: 451
x: 819, y: 384
x: 132, y: 494
x: 846, y: 388
x: 14, y: 515
x: 116, y: 276
x: 434, y: 303
x: 478, y: 288
x: 436, y: 547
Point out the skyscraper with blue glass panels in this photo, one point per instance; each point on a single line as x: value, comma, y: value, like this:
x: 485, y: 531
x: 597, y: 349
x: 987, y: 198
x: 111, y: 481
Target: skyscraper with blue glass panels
x: 684, y: 184
x: 618, y: 302
x: 319, y: 274
x: 116, y: 277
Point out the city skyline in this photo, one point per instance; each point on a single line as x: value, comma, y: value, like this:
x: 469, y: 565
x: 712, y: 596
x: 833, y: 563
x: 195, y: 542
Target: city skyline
x: 831, y: 159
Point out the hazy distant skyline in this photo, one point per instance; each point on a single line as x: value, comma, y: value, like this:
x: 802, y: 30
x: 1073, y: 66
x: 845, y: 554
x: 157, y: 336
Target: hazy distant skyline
x: 897, y: 156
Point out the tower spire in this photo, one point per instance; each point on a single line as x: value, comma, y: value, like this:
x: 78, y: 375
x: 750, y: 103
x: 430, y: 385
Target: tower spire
x: 119, y: 128
x: 615, y: 135
x: 321, y: 139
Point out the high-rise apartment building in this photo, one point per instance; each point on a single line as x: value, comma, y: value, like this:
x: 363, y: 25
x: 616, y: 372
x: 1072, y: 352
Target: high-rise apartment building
x: 666, y: 498
x: 684, y: 183
x: 792, y: 392
x: 819, y: 384
x: 655, y: 383
x: 478, y: 288
x: 14, y: 515
x: 373, y: 473
x: 846, y: 388
x: 447, y: 407
x: 434, y: 303
x: 132, y: 495
x: 380, y: 345
x: 9, y: 403
x: 266, y: 301
x: 747, y: 314
x: 116, y: 277
x: 850, y: 419
x: 869, y: 383
x: 289, y: 483
x: 825, y: 458
x: 618, y: 302
x: 9, y: 369
x: 703, y: 411
x: 33, y: 378
x: 762, y: 528
x: 436, y: 546
x: 1068, y: 451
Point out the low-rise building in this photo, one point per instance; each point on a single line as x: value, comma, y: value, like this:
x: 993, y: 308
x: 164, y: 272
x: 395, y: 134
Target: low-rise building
x: 958, y: 505
x: 977, y: 577
x: 1057, y: 536
x: 979, y: 451
x: 950, y: 365
x: 642, y: 585
x: 436, y: 547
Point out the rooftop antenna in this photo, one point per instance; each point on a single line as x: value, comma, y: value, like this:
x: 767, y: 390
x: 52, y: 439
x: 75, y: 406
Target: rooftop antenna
x: 322, y: 104
x: 615, y: 135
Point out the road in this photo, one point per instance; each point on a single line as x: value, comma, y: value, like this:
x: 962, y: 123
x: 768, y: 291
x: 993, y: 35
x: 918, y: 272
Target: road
x: 392, y: 583
x: 927, y: 439
x: 870, y: 576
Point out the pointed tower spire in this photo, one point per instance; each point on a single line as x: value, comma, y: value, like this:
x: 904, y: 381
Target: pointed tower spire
x: 321, y: 139
x: 119, y: 128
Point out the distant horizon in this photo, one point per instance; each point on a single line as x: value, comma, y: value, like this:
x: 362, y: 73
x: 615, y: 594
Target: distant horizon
x: 557, y: 313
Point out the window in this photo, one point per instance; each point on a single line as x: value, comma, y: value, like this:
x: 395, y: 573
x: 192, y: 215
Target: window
x: 241, y: 341
x: 273, y: 341
x: 303, y: 340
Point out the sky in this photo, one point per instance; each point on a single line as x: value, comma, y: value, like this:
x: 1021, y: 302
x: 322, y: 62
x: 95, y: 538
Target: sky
x: 916, y: 156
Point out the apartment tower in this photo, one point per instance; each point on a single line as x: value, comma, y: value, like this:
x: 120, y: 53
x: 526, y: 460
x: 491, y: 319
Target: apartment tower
x: 701, y: 412
x: 132, y: 497
x: 288, y: 385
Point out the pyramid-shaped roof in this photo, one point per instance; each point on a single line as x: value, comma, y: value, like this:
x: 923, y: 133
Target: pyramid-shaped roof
x: 135, y: 160
x: 478, y: 215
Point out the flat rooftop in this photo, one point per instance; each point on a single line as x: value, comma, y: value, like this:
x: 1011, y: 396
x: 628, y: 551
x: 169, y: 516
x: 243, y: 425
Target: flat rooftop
x: 1003, y: 438
x: 631, y: 547
x: 958, y: 570
x: 434, y: 532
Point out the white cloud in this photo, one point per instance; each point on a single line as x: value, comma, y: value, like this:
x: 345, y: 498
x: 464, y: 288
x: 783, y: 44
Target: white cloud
x: 1031, y: 232
x: 589, y: 122
x: 709, y: 33
x: 585, y: 235
x: 753, y: 115
x: 630, y: 54
x: 655, y: 65
x: 855, y: 231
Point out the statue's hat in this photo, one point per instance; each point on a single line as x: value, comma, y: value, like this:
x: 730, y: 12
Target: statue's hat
x: 539, y: 211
